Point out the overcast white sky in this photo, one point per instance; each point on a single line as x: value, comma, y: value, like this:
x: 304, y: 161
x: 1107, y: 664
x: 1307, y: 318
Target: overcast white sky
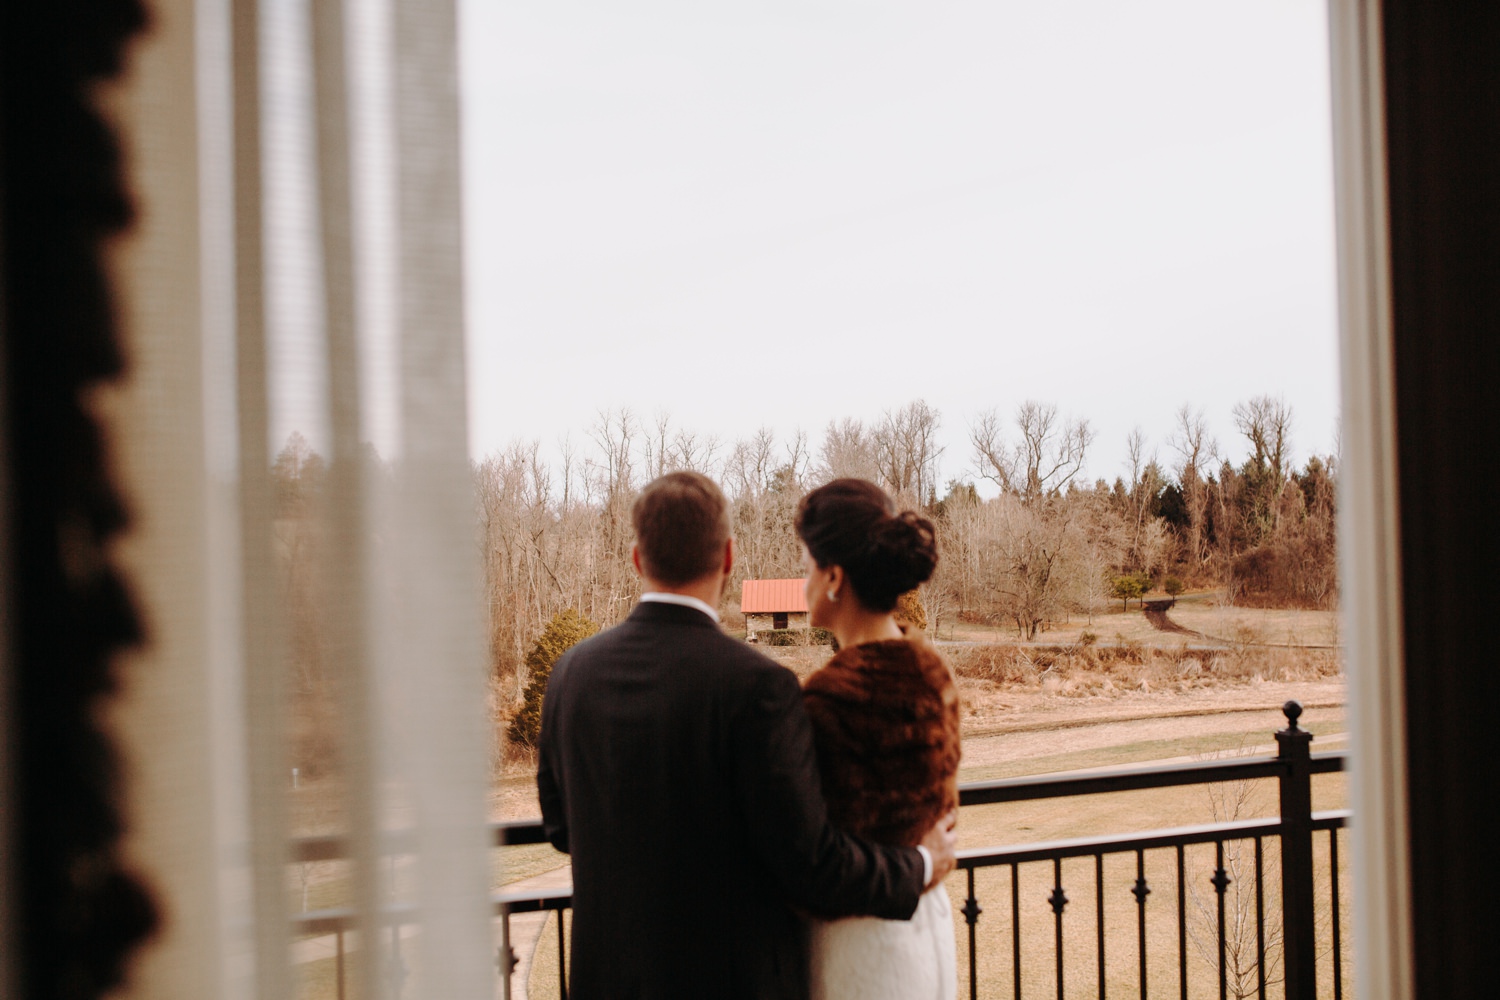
x: 787, y: 212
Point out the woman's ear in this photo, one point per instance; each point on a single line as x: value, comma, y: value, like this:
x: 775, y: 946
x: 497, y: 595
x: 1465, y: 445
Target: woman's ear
x: 835, y: 582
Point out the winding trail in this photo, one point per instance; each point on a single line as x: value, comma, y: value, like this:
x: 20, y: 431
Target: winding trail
x: 1162, y: 623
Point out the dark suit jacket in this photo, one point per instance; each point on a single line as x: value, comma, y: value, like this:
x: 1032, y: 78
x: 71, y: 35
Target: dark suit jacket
x: 677, y: 767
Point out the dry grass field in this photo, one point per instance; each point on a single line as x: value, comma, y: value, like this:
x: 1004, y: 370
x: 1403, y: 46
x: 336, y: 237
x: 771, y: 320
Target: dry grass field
x: 1201, y: 613
x: 1259, y: 625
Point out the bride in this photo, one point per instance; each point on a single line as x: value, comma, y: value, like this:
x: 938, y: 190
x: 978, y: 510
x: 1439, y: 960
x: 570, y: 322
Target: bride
x: 885, y: 714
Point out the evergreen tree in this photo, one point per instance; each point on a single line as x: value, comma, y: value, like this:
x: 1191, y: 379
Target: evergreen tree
x: 565, y: 630
x: 911, y: 610
x: 1131, y: 585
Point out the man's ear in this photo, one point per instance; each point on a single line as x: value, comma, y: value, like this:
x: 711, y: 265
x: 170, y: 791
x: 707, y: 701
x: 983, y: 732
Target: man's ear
x: 729, y: 555
x: 635, y: 559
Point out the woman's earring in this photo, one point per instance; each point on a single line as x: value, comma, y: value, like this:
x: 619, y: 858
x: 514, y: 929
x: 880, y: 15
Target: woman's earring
x: 833, y: 596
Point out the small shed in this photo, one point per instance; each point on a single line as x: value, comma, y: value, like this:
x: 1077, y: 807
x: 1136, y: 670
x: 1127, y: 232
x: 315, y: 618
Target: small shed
x: 773, y: 604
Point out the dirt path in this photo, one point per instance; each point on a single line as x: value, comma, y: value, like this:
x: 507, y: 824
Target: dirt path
x: 1162, y: 623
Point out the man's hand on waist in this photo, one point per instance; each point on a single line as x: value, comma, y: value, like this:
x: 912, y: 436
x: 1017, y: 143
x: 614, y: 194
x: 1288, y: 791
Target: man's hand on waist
x: 939, y: 846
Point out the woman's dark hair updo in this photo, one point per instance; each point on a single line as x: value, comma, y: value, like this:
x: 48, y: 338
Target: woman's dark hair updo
x: 853, y: 523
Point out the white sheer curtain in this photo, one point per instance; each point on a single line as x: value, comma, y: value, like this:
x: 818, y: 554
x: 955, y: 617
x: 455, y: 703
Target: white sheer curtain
x: 297, y: 266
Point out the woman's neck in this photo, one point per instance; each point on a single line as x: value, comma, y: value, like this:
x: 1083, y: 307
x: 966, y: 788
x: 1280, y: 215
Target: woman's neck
x: 861, y: 629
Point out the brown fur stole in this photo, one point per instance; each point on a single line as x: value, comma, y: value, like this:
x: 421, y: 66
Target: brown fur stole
x: 885, y: 723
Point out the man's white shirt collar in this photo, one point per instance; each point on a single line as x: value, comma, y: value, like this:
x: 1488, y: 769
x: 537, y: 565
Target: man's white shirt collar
x: 682, y: 600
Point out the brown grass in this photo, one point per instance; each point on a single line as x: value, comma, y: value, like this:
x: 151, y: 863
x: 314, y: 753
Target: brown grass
x: 1280, y: 626
x: 1083, y: 671
x: 1200, y: 613
x: 800, y: 660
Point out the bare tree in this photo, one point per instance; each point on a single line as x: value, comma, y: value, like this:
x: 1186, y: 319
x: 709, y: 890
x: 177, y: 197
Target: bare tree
x: 764, y: 491
x: 1232, y: 801
x: 613, y: 485
x: 748, y: 469
x: 1033, y: 546
x: 569, y: 456
x: 1195, y: 451
x: 1050, y: 450
x: 656, y: 445
x: 614, y: 433
x: 1266, y: 422
x: 1147, y: 538
x: 907, y: 452
x: 848, y: 451
x: 1190, y: 441
x: 798, y: 458
x: 1029, y: 563
x: 693, y: 451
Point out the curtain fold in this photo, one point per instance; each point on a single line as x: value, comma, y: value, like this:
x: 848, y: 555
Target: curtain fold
x: 262, y: 641
x: 315, y: 608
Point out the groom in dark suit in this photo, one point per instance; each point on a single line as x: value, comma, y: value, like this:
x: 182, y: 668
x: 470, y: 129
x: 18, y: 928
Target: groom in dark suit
x: 677, y: 769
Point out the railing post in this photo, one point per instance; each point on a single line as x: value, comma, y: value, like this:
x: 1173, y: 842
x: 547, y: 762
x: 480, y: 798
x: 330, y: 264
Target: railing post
x: 1298, y: 941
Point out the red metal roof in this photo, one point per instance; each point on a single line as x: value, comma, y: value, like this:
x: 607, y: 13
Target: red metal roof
x: 771, y: 596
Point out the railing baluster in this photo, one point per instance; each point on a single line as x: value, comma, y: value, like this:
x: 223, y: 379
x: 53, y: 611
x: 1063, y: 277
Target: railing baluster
x: 972, y: 910
x: 1260, y: 925
x: 1015, y: 926
x: 1059, y: 901
x: 1140, y: 891
x: 562, y: 958
x: 1221, y: 882
x: 1181, y: 923
x: 1338, y: 951
x: 506, y: 959
x: 1099, y: 910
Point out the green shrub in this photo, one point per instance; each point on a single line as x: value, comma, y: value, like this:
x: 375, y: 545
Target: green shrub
x: 565, y: 630
x: 1172, y: 586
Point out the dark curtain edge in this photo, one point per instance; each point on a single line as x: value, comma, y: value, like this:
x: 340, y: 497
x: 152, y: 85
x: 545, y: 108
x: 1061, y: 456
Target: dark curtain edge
x: 76, y: 915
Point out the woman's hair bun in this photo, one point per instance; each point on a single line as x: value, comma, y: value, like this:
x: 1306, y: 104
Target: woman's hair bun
x: 853, y: 524
x: 906, y: 545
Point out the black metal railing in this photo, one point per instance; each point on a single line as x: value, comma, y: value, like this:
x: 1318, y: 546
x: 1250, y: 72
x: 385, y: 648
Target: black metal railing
x: 1292, y: 831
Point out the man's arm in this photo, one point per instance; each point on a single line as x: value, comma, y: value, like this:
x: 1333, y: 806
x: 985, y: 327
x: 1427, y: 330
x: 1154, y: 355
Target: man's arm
x: 548, y: 778
x: 823, y: 869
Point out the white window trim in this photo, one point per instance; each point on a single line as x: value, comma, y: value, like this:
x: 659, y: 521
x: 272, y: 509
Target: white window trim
x: 1369, y: 528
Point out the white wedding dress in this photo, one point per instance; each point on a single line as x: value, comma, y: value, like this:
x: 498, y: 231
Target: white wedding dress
x: 866, y: 958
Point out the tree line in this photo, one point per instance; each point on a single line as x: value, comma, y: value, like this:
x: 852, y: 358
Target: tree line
x: 554, y: 534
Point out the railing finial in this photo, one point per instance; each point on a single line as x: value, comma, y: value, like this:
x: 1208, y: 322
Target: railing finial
x: 1293, y: 711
